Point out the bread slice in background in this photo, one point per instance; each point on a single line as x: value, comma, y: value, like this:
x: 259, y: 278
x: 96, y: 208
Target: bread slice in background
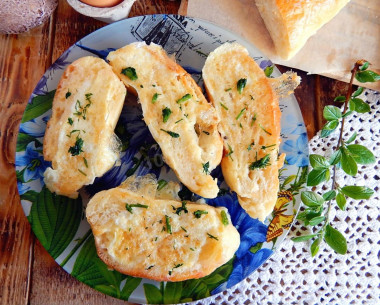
x: 139, y: 234
x: 188, y: 136
x: 291, y: 22
x: 249, y: 125
x: 79, y: 138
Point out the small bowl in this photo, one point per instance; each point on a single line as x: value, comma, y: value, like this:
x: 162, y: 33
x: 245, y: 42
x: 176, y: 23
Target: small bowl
x: 105, y: 14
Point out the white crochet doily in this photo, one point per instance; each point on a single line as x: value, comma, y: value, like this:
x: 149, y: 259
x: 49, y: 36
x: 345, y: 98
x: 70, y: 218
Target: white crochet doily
x: 292, y: 276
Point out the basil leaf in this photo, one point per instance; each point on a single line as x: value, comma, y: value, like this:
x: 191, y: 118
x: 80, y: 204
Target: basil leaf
x: 358, y: 105
x: 364, y: 66
x: 340, y: 98
x: 318, y: 175
x: 316, y: 220
x: 23, y: 140
x: 361, y: 154
x: 331, y: 113
x: 367, y: 76
x: 329, y: 128
x: 352, y: 138
x: 348, y: 163
x: 311, y: 199
x: 153, y: 295
x: 303, y: 238
x: 314, y: 248
x: 358, y: 92
x: 357, y: 192
x: 330, y: 195
x: 55, y: 220
x: 335, y: 240
x: 341, y: 201
x: 336, y: 157
x: 39, y: 105
x: 172, y: 292
x: 318, y: 161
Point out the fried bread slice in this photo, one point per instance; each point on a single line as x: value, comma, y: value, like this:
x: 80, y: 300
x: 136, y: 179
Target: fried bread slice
x: 179, y: 117
x: 79, y: 139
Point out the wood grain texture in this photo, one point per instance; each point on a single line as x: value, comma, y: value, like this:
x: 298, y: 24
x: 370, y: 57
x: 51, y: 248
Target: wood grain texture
x: 23, y: 60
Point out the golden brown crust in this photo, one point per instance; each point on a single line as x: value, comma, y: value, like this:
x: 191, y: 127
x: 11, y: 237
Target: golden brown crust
x: 291, y: 23
x: 138, y: 242
x: 194, y: 121
x: 249, y: 125
x: 86, y: 106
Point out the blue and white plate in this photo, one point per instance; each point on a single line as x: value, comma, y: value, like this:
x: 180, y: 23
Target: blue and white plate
x: 59, y: 222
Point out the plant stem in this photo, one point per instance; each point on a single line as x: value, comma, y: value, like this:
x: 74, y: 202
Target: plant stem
x: 340, y: 140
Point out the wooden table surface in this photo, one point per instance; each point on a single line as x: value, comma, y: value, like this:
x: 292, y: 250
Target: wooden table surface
x: 28, y: 275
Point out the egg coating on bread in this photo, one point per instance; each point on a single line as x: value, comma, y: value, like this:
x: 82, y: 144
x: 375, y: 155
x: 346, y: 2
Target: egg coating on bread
x: 139, y: 234
x: 177, y: 114
x: 79, y: 138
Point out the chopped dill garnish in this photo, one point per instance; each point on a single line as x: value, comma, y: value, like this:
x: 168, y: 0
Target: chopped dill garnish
x: 260, y: 163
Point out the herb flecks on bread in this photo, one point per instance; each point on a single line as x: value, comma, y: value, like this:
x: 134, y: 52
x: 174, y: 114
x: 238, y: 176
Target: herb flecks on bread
x: 249, y: 113
x: 139, y: 233
x: 79, y: 138
x: 179, y: 117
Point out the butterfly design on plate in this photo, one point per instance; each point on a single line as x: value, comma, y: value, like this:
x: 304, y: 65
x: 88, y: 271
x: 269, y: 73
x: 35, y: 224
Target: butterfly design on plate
x: 280, y: 220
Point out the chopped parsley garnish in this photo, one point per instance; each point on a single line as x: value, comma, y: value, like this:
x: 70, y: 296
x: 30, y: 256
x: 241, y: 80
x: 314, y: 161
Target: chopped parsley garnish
x: 181, y: 208
x: 206, y: 167
x: 229, y: 89
x: 241, y: 84
x: 184, y: 98
x: 224, y: 106
x: 70, y: 121
x: 225, y: 221
x: 168, y: 225
x: 206, y: 132
x: 171, y: 133
x: 230, y: 152
x: 175, y: 266
x: 269, y: 146
x: 68, y: 93
x: 184, y: 229
x: 178, y: 121
x: 129, y: 207
x: 88, y: 97
x: 73, y: 131
x: 198, y: 213
x: 150, y: 267
x: 261, y: 163
x: 141, y: 86
x: 82, y: 111
x: 192, y: 249
x: 253, y: 119
x: 252, y: 98
x: 85, y: 162
x: 212, y: 236
x: 161, y: 184
x: 266, y: 131
x: 130, y: 73
x: 83, y: 173
x: 155, y: 97
x: 240, y: 113
x: 166, y: 112
x: 77, y: 148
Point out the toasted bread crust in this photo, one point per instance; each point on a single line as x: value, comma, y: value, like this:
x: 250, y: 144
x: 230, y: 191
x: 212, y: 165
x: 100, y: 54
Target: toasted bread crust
x: 249, y: 125
x: 138, y: 242
x: 196, y: 147
x: 291, y: 23
x: 86, y: 106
